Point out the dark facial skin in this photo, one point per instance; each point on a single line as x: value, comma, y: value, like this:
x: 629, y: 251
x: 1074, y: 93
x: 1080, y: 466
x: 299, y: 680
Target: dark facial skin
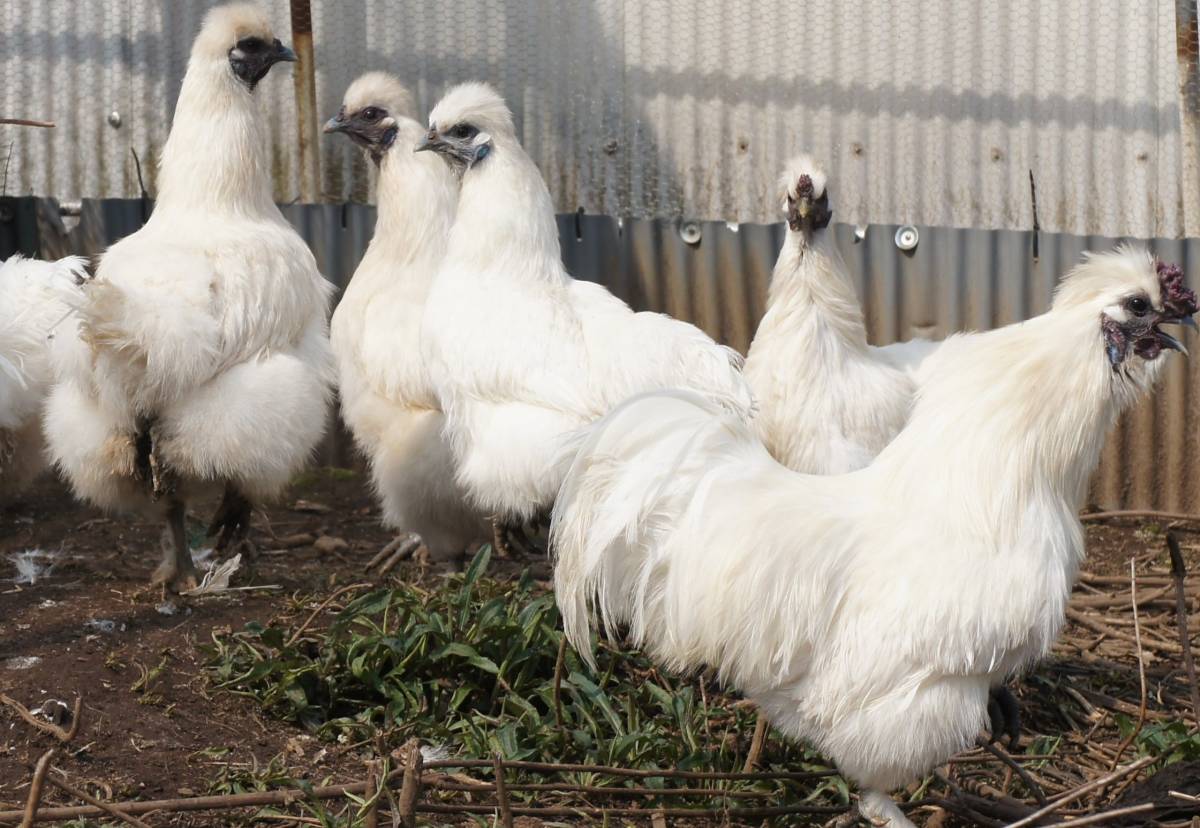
x: 368, y: 127
x: 252, y: 57
x: 805, y: 212
x: 455, y: 145
x: 1140, y: 333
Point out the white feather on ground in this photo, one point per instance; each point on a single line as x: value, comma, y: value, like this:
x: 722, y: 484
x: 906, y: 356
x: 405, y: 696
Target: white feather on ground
x: 30, y: 306
x: 812, y: 594
x: 209, y: 323
x: 388, y: 400
x: 521, y: 354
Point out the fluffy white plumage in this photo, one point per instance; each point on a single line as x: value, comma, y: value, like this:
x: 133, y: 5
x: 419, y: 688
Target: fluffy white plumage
x: 828, y: 401
x: 30, y: 307
x: 521, y: 353
x: 205, y: 330
x: 387, y: 398
x: 812, y: 594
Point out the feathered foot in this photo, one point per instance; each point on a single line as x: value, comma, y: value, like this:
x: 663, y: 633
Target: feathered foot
x: 508, y: 536
x: 401, y: 547
x: 1004, y: 716
x: 877, y: 808
x: 177, y: 572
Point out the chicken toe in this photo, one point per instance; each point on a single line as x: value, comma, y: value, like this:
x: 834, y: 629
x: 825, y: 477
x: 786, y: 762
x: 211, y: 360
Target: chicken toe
x: 177, y: 572
x: 1004, y: 717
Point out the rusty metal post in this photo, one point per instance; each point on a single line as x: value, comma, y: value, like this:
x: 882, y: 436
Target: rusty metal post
x: 306, y: 102
x: 1187, y: 49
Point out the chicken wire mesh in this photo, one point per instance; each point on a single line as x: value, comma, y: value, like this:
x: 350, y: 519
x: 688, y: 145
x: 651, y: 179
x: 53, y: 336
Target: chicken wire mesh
x: 926, y: 111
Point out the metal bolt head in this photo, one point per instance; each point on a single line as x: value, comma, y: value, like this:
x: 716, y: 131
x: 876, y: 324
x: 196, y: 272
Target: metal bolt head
x: 689, y: 231
x: 114, y: 119
x: 907, y: 238
x: 860, y: 232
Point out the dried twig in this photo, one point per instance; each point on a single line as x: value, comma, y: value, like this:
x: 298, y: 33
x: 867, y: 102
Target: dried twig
x: 371, y: 819
x: 1185, y: 642
x: 756, y: 743
x: 1139, y: 513
x: 560, y: 663
x: 1072, y: 795
x: 1141, y: 657
x: 312, y: 616
x: 35, y: 789
x: 62, y: 785
x: 1105, y: 816
x: 1033, y: 787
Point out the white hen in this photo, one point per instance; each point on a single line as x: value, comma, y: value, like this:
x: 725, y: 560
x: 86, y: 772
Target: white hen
x: 869, y: 613
x: 202, y: 359
x: 387, y: 398
x: 30, y: 307
x: 521, y: 353
x: 828, y: 402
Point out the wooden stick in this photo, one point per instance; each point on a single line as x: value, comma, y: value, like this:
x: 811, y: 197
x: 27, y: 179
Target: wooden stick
x: 35, y: 789
x: 559, y: 664
x: 1139, y: 513
x: 506, y: 816
x: 756, y: 743
x: 371, y: 819
x: 312, y: 616
x: 27, y: 122
x: 410, y: 789
x: 1141, y: 657
x: 665, y: 773
x: 1071, y: 796
x: 1105, y: 816
x: 1185, y: 641
x: 128, y: 819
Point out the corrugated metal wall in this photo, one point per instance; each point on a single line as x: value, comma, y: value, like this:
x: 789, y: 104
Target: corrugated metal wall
x: 931, y: 112
x: 954, y: 280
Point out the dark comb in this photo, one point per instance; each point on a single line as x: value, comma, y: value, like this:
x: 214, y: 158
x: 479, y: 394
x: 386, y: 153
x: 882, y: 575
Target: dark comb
x: 804, y: 187
x: 1178, y: 299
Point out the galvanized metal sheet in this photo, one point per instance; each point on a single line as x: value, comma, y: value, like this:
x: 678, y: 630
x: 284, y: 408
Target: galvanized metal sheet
x: 933, y: 113
x: 954, y: 280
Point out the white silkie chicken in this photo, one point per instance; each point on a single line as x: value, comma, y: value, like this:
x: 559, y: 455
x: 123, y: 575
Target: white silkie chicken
x: 521, y: 353
x: 30, y: 307
x: 202, y: 359
x: 387, y: 398
x: 869, y: 613
x: 827, y: 401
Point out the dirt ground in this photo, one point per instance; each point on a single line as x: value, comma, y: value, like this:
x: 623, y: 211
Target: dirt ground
x: 152, y: 726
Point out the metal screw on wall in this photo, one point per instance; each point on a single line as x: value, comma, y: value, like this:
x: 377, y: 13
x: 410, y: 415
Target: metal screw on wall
x: 907, y: 238
x: 690, y: 232
x: 114, y: 119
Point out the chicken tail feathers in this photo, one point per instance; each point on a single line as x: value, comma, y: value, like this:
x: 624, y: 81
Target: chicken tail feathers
x: 633, y: 476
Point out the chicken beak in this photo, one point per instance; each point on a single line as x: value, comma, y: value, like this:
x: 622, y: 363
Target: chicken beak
x: 429, y: 141
x: 283, y: 53
x: 803, y: 207
x: 335, y: 124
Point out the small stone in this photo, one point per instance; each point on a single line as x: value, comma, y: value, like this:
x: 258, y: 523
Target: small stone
x: 328, y: 543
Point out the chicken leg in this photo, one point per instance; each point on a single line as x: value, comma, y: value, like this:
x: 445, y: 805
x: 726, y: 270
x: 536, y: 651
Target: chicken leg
x: 231, y: 523
x: 177, y: 572
x: 1004, y: 717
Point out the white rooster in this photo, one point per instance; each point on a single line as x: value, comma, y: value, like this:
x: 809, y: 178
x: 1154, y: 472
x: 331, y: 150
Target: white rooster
x: 521, y: 353
x: 30, y: 307
x: 202, y: 358
x: 387, y: 398
x: 869, y: 613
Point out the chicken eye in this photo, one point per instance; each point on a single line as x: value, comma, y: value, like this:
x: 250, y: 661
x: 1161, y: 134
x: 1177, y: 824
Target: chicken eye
x: 1138, y: 306
x: 372, y: 113
x: 251, y: 44
x: 463, y: 131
